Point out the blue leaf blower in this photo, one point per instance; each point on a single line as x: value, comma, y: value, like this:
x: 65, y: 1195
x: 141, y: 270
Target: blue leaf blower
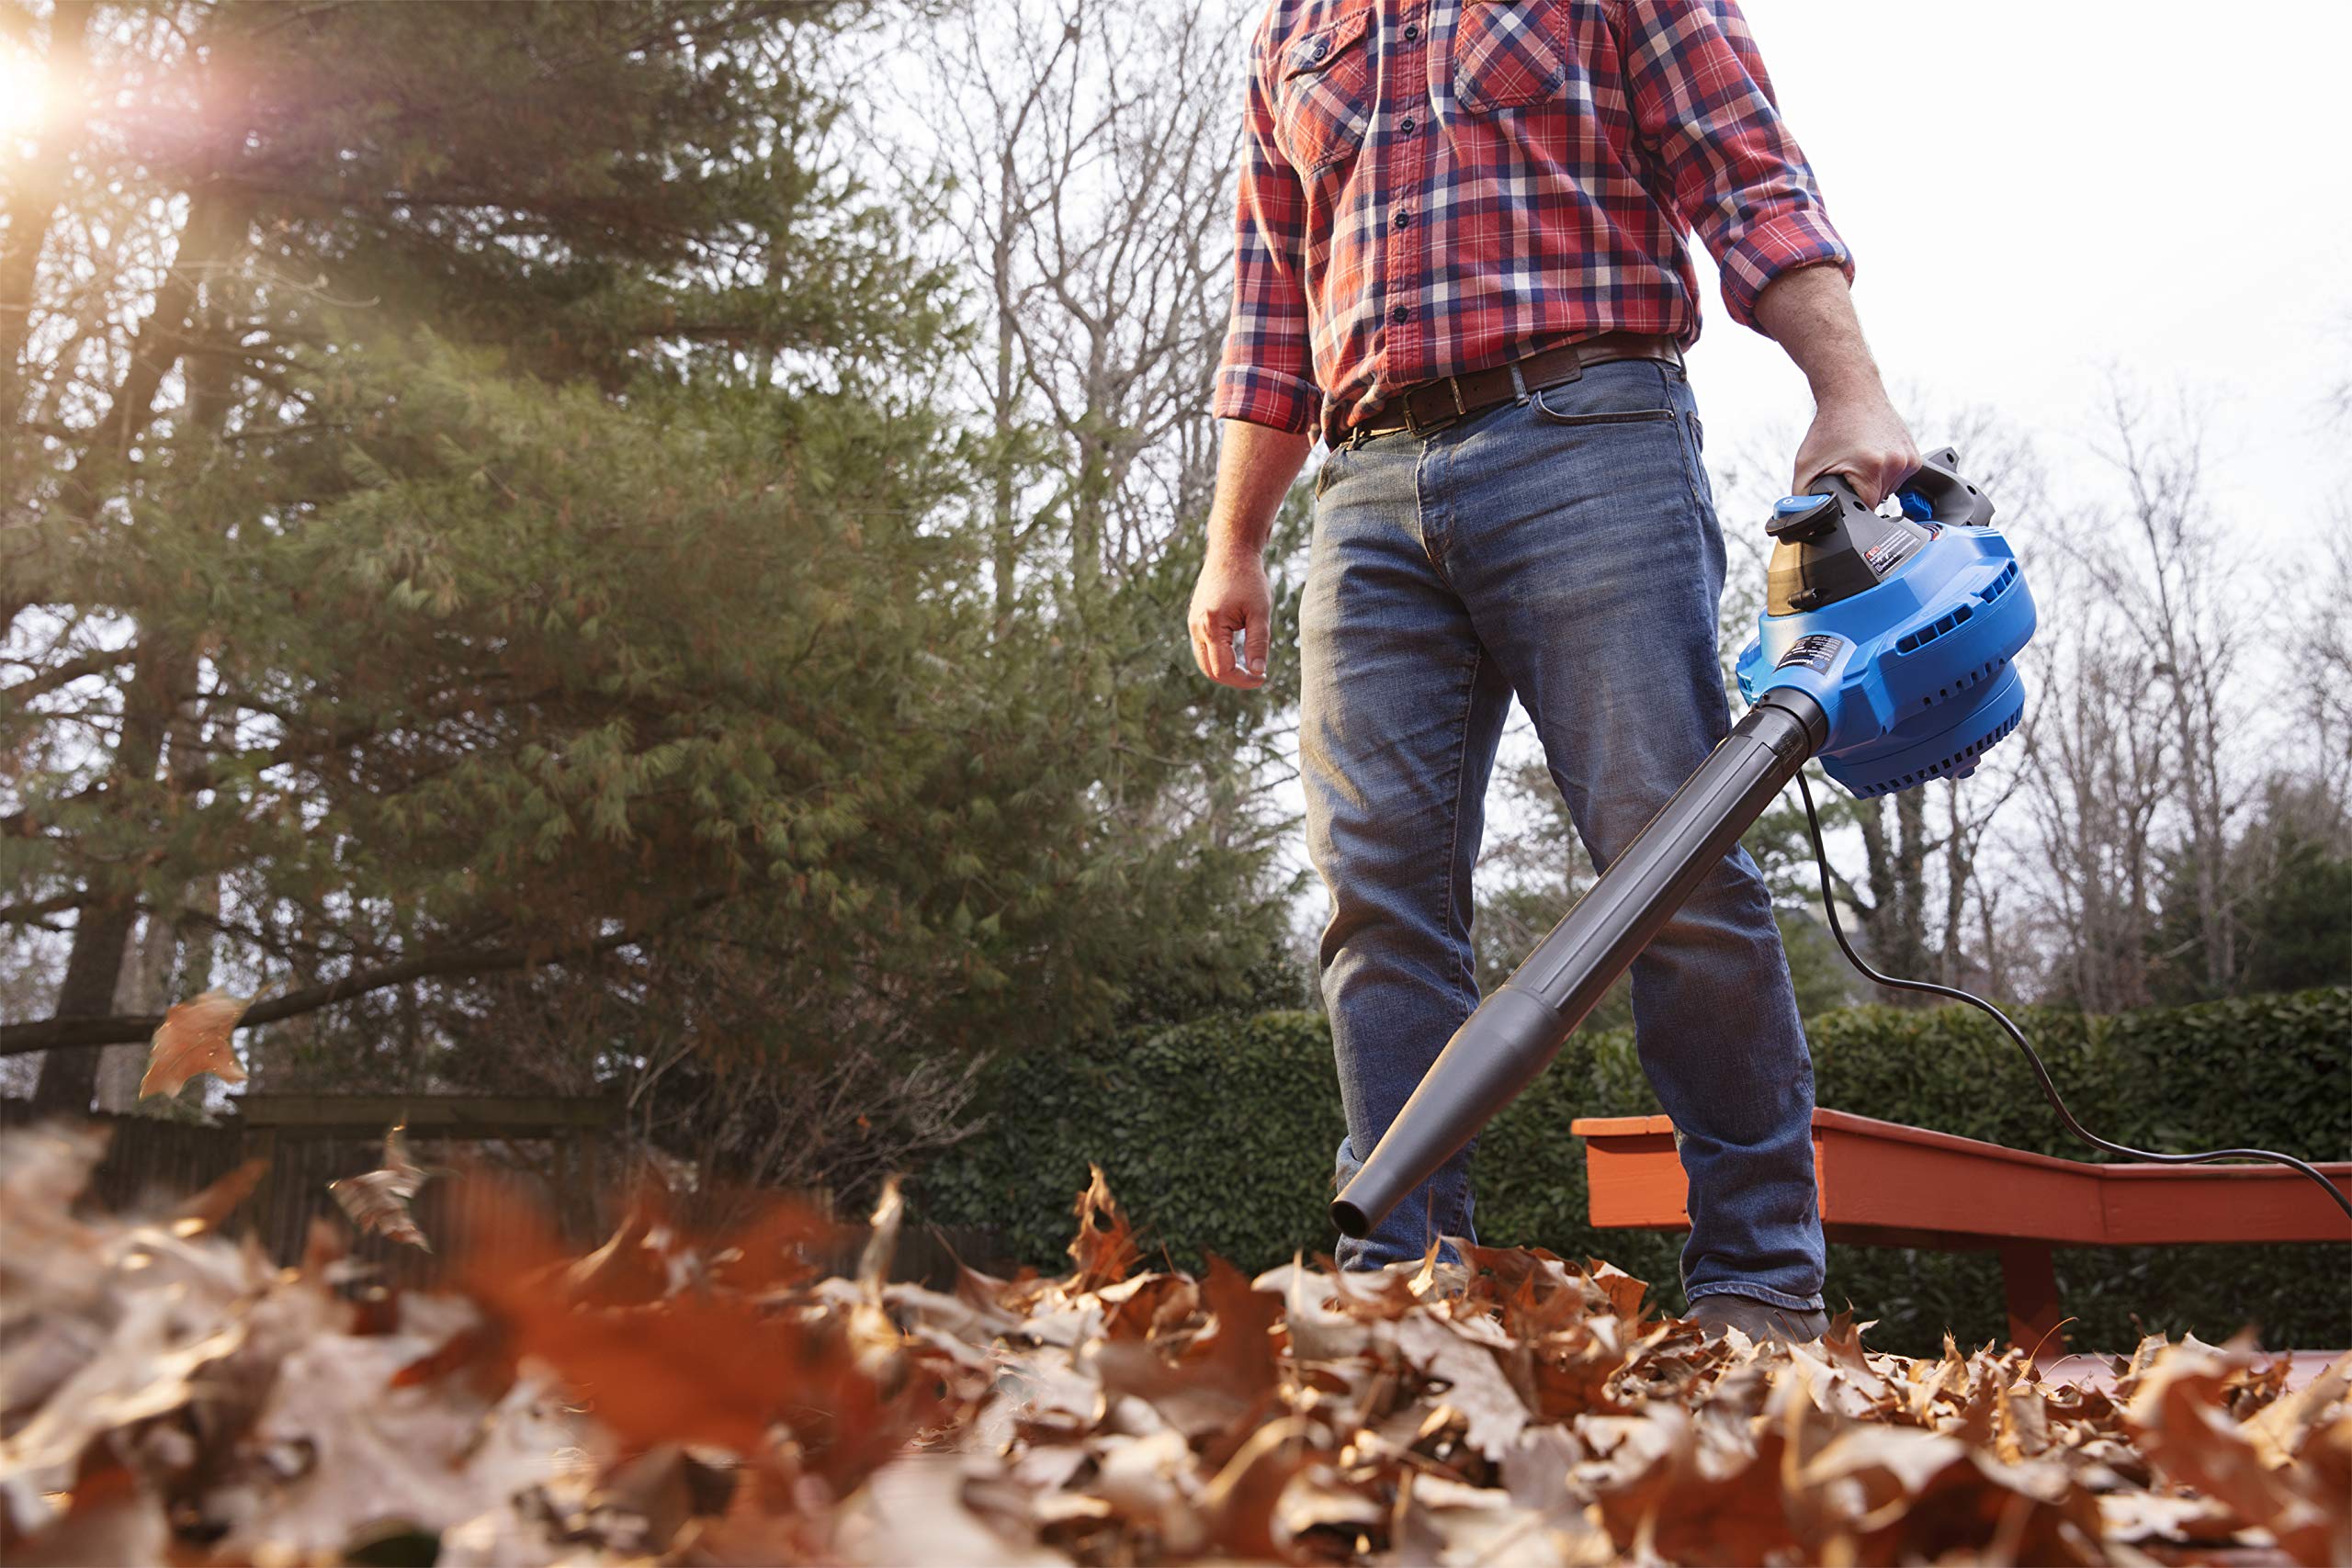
x: 1887, y: 647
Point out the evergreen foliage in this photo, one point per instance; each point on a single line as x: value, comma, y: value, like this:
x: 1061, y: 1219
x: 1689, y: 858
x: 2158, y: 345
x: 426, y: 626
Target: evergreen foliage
x: 508, y: 590
x: 1219, y: 1135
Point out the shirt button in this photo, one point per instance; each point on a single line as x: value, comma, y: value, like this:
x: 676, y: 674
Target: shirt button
x: 1399, y: 314
x: 1406, y: 125
x: 1404, y: 218
x: 1412, y: 32
x: 1322, y: 47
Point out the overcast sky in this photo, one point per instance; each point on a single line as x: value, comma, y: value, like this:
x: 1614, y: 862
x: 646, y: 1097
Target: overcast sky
x: 2037, y: 192
x: 2039, y: 195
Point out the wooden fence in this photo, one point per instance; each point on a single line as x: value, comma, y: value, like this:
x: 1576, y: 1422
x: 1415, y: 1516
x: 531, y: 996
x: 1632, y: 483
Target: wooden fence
x: 561, y: 1154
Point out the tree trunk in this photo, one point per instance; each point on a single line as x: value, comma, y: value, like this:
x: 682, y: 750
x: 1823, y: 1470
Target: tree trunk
x: 1959, y: 869
x: 145, y: 986
x: 1004, y: 401
x: 35, y: 208
x: 93, y: 966
x: 1897, y: 870
x: 1911, y: 880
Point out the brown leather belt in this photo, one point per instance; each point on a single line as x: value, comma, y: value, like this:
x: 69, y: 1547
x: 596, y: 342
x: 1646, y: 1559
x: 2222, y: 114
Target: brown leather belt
x: 1433, y: 405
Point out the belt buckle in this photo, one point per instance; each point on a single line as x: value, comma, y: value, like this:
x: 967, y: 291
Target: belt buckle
x: 1417, y: 429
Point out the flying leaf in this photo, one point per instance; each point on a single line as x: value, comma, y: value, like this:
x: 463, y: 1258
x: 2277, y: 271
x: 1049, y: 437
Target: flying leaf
x: 377, y: 1202
x: 192, y: 1040
x: 208, y: 1209
x: 1105, y: 1247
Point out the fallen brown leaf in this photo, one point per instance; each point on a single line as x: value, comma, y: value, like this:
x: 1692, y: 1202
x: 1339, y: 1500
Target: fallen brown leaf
x: 687, y: 1398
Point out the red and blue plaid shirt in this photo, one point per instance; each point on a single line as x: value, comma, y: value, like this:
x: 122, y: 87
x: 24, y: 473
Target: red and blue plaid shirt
x: 1435, y: 186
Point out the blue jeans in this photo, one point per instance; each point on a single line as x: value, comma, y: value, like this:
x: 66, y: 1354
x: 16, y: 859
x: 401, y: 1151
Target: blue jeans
x: 1566, y: 549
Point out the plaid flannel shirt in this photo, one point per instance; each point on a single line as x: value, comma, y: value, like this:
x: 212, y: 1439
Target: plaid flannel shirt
x: 1435, y: 186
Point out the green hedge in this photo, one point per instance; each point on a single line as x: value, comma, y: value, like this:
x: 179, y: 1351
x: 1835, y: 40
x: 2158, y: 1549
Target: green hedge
x: 1218, y: 1137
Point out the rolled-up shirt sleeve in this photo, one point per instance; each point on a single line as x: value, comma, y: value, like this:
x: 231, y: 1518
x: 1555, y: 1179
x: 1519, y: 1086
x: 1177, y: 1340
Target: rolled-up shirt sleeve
x: 1703, y: 104
x: 1266, y: 375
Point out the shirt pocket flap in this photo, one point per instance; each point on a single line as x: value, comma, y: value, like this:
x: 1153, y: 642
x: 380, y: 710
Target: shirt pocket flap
x: 1505, y: 55
x: 1317, y: 49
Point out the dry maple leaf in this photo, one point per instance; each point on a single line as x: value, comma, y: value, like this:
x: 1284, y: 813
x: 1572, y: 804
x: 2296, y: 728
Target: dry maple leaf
x: 377, y: 1202
x: 2179, y: 1421
x: 1521, y: 1411
x: 1227, y: 1369
x: 710, y: 1365
x: 1105, y: 1247
x: 193, y: 1039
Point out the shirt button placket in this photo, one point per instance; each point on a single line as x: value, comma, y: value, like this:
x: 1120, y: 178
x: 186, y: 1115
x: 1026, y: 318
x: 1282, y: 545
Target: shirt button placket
x: 1405, y: 360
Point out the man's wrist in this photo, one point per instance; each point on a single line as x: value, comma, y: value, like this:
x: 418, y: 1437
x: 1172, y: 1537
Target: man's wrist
x: 1846, y: 385
x: 1224, y: 554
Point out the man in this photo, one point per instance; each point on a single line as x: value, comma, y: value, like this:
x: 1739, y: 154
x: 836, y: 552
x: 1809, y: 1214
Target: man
x: 1461, y: 261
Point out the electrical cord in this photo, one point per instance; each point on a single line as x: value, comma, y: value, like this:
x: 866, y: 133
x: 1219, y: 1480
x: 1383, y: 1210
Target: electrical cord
x: 2041, y: 1073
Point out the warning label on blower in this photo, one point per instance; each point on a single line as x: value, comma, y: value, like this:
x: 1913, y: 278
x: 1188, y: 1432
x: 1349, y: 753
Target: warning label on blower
x: 1814, y: 651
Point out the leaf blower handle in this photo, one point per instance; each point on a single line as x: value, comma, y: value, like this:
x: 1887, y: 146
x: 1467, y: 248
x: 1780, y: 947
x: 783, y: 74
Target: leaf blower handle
x: 1934, y: 492
x: 1515, y: 1033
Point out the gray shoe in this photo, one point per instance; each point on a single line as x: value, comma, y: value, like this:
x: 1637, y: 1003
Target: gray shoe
x: 1760, y: 1321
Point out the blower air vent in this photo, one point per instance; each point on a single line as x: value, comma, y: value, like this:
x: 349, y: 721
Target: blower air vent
x: 1968, y: 678
x: 1912, y: 642
x: 1927, y: 634
x: 1962, y: 761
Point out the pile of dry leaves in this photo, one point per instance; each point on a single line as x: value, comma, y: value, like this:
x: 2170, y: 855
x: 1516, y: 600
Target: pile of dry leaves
x: 167, y: 1395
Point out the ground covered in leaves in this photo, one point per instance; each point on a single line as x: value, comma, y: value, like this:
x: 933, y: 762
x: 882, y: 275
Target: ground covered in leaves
x: 168, y: 1395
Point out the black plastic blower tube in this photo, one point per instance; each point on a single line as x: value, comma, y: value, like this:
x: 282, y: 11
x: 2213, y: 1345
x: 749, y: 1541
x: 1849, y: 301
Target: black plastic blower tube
x: 1517, y: 1031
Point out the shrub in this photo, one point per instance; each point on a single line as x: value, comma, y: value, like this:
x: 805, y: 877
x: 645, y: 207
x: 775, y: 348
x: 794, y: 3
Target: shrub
x: 1219, y: 1134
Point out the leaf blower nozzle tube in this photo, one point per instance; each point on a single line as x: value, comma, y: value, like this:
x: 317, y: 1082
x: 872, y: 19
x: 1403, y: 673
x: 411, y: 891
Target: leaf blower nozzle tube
x: 1515, y: 1033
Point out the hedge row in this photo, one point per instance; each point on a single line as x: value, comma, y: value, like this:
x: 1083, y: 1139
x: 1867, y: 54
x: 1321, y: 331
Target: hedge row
x: 1218, y: 1137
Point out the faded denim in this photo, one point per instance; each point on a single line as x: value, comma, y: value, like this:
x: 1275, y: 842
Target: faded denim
x: 1564, y: 548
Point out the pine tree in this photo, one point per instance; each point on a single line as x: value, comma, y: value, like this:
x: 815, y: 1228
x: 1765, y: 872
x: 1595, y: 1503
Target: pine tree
x: 485, y: 524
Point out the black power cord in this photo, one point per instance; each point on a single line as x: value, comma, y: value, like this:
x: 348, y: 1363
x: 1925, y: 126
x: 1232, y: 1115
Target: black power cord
x: 2049, y: 1089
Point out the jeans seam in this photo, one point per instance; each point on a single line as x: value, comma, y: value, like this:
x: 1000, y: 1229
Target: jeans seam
x: 1682, y: 443
x: 1463, y: 955
x: 1454, y: 844
x: 1433, y: 553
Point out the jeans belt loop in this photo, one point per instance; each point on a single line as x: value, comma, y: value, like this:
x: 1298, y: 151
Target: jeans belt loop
x: 1518, y: 381
x: 1453, y: 385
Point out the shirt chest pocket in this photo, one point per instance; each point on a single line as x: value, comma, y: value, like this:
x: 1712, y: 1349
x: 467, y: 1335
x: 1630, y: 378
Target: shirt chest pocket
x: 1323, y: 101
x: 1508, y: 54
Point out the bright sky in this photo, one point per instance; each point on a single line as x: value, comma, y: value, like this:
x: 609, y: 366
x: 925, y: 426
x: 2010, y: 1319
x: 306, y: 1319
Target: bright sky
x: 2037, y: 192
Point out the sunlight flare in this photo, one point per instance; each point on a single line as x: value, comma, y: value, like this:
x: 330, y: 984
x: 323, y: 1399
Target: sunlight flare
x: 24, y: 91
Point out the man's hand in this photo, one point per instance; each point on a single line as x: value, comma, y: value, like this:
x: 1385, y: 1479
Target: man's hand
x: 1856, y: 432
x: 1862, y: 437
x: 1231, y: 596
x: 1255, y: 465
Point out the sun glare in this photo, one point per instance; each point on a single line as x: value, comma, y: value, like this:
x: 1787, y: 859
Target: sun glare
x: 24, y: 91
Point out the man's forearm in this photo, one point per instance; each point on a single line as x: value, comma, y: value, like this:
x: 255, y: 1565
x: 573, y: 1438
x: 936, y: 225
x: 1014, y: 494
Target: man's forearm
x: 1810, y: 313
x: 1856, y: 432
x: 1255, y: 467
